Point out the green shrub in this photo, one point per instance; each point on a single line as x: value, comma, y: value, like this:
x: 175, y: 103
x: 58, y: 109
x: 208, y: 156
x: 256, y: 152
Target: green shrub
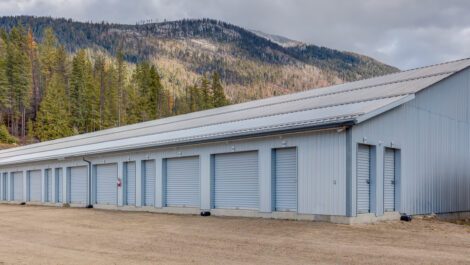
x: 5, y: 136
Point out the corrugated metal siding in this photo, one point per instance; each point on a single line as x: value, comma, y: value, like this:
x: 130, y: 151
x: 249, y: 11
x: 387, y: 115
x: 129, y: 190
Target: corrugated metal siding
x: 389, y: 180
x: 17, y: 186
x: 236, y: 181
x: 106, y: 187
x: 322, y: 174
x: 182, y: 182
x: 130, y: 183
x: 48, y: 185
x: 78, y: 185
x: 59, y: 185
x: 149, y: 175
x: 363, y: 178
x: 285, y: 179
x: 34, y: 188
x: 432, y: 134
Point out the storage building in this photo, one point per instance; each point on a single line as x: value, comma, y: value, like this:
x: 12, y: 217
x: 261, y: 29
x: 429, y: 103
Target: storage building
x: 355, y: 152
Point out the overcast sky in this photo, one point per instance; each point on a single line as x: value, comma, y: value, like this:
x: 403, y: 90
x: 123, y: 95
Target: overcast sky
x: 403, y: 33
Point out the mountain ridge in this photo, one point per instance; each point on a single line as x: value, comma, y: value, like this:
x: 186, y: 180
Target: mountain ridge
x: 252, y: 64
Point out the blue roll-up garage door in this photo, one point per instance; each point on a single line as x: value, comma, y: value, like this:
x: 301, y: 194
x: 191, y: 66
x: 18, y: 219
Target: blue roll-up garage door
x: 236, y: 181
x: 78, y: 183
x: 3, y: 183
x: 389, y: 180
x: 59, y: 184
x: 182, y: 182
x: 363, y: 178
x: 34, y: 188
x: 129, y: 184
x: 48, y: 183
x: 17, y: 186
x: 149, y: 175
x: 106, y: 187
x: 286, y: 179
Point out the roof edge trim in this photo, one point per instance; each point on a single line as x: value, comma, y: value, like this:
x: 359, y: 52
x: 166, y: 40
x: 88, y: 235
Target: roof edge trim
x: 384, y: 108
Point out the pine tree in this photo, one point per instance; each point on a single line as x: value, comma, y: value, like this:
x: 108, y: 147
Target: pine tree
x: 3, y: 77
x: 218, y: 95
x: 84, y: 102
x: 18, y: 70
x: 53, y: 119
x: 48, y: 55
x: 206, y: 95
x: 121, y: 83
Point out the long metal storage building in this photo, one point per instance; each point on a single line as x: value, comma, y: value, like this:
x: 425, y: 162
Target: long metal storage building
x: 355, y: 152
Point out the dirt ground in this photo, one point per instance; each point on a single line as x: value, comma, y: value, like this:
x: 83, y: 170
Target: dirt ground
x: 48, y: 235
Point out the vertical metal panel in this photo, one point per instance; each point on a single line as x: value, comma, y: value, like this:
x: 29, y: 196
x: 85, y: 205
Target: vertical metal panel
x: 236, y: 180
x: 363, y: 178
x: 389, y: 180
x: 78, y: 185
x: 130, y: 183
x: 182, y: 182
x: 34, y: 188
x: 17, y: 186
x: 285, y: 179
x: 322, y: 174
x: 149, y: 176
x: 59, y: 184
x: 106, y: 187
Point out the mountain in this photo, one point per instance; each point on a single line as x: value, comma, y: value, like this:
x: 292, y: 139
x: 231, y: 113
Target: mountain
x: 251, y: 64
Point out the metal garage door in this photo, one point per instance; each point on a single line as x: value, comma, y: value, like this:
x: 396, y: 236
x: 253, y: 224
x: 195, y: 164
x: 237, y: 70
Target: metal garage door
x: 236, y: 181
x: 3, y: 184
x: 286, y: 179
x: 182, y: 182
x: 48, y: 183
x: 149, y: 182
x: 129, y: 184
x: 59, y: 185
x: 34, y: 188
x: 363, y: 178
x: 78, y: 183
x: 17, y: 186
x: 389, y: 180
x: 106, y: 187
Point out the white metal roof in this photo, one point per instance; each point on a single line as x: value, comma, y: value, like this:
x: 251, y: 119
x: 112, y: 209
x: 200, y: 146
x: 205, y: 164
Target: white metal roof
x: 349, y: 102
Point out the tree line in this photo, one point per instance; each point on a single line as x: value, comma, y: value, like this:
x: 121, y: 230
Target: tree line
x: 47, y: 93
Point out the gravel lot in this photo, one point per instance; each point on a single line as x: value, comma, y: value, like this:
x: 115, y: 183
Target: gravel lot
x: 48, y: 235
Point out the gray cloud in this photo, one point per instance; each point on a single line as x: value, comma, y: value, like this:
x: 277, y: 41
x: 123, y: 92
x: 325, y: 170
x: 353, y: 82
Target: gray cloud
x: 404, y: 33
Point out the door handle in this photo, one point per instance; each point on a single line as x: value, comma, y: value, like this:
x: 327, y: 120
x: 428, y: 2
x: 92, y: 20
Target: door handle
x: 368, y: 181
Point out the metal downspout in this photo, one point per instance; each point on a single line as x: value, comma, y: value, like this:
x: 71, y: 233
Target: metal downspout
x: 90, y: 205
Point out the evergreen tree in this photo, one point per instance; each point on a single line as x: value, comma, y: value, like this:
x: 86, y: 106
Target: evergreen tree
x: 206, y: 95
x: 84, y: 102
x: 218, y: 95
x: 53, y: 119
x: 120, y: 84
x: 3, y: 77
x: 18, y: 70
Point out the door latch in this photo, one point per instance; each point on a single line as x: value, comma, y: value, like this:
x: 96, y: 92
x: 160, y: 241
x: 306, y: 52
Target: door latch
x: 393, y: 182
x: 368, y: 181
